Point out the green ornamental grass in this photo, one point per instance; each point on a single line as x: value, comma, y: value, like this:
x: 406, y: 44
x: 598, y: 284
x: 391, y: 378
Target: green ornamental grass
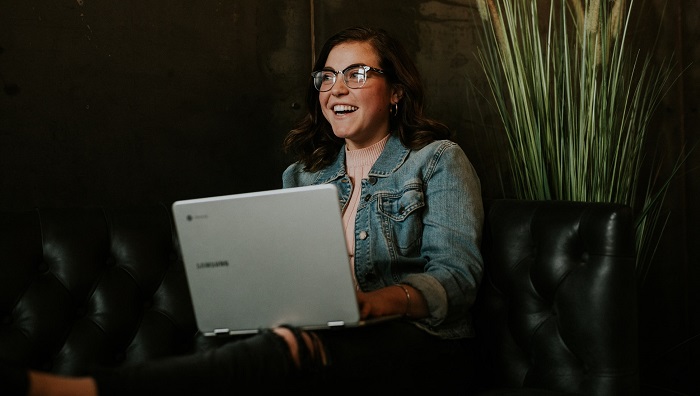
x: 576, y: 103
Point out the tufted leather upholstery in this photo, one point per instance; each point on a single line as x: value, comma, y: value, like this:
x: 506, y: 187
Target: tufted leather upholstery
x: 557, y: 306
x: 557, y: 310
x: 87, y: 286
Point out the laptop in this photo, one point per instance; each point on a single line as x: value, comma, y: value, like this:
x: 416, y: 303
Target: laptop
x: 258, y: 260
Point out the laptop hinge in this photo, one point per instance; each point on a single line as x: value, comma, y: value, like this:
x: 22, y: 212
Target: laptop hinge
x: 220, y: 332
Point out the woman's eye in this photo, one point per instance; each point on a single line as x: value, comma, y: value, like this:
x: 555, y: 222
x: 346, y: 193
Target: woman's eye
x: 357, y: 76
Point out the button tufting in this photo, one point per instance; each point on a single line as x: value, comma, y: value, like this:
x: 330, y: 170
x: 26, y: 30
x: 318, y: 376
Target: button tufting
x: 119, y: 357
x: 42, y: 268
x: 80, y: 312
x: 111, y: 261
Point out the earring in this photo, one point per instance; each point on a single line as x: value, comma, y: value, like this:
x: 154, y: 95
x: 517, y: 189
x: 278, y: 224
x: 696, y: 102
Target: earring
x: 394, y: 110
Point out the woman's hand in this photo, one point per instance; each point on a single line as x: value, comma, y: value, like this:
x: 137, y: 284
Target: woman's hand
x: 392, y: 300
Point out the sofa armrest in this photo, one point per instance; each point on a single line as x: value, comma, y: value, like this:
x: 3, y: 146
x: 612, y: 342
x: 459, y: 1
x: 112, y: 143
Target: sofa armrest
x: 557, y: 309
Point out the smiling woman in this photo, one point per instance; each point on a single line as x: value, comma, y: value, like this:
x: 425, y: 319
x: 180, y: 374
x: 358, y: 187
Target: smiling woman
x: 413, y: 217
x: 358, y: 110
x: 397, y: 176
x: 314, y: 140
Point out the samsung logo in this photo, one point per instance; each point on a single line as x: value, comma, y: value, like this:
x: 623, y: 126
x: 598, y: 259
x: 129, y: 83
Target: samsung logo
x: 212, y: 264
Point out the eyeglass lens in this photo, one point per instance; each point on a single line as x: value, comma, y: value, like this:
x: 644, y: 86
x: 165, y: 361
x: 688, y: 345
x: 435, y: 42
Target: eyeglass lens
x: 354, y: 77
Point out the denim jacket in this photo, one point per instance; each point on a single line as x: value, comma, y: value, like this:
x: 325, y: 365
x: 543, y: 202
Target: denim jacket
x: 419, y: 222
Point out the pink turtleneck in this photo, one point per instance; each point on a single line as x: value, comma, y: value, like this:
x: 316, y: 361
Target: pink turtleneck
x: 358, y: 163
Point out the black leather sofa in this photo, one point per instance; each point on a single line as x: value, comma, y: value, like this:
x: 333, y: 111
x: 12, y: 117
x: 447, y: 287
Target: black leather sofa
x: 556, y: 313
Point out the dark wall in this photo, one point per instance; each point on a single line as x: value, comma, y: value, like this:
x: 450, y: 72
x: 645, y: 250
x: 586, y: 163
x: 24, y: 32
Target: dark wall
x: 152, y: 101
x: 156, y: 100
x: 670, y: 293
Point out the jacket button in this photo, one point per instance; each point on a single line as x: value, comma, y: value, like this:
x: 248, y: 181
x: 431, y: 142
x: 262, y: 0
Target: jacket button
x: 363, y: 235
x: 372, y: 180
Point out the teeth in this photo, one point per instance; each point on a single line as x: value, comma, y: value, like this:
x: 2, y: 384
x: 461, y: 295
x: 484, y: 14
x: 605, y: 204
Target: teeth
x: 343, y: 108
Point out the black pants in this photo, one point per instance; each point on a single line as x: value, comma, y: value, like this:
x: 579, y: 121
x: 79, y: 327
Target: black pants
x: 392, y: 356
x: 398, y: 356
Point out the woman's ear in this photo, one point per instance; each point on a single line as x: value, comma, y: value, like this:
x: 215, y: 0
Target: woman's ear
x: 397, y: 94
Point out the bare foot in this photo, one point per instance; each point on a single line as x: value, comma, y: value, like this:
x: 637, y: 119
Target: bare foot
x: 294, y: 348
x: 46, y: 384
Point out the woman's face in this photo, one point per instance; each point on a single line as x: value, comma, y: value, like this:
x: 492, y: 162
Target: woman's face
x: 360, y: 115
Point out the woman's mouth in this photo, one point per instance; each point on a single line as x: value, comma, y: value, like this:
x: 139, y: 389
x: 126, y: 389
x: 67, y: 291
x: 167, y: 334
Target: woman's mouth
x: 343, y: 109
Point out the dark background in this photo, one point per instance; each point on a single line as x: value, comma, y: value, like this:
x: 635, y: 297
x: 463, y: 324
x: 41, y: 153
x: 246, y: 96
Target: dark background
x: 133, y: 102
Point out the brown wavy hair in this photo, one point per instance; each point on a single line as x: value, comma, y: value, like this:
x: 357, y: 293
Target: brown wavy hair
x: 313, y: 141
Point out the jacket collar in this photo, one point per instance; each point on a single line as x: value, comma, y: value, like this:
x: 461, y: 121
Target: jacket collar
x: 389, y: 161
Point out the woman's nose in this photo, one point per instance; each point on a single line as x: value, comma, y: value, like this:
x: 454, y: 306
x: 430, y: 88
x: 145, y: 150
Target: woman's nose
x: 339, y: 88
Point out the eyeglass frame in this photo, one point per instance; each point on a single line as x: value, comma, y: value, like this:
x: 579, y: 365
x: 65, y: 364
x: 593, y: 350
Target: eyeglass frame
x: 363, y: 67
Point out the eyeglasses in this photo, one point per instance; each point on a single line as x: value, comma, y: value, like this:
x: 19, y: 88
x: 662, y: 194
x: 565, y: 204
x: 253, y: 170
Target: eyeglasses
x: 354, y: 76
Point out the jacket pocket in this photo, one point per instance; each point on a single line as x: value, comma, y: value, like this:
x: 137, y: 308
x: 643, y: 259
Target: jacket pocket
x: 401, y: 215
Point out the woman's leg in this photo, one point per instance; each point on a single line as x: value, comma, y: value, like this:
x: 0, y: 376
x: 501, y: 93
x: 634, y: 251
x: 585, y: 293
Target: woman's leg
x: 267, y: 361
x: 396, y: 357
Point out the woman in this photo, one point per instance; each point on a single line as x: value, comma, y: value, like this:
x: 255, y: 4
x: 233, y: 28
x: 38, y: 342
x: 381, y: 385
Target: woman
x: 413, y: 219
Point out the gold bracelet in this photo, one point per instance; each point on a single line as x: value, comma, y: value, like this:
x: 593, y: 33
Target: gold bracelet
x: 408, y: 299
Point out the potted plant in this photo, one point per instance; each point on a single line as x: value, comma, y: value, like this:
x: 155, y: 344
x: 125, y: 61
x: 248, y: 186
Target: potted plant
x: 575, y: 103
